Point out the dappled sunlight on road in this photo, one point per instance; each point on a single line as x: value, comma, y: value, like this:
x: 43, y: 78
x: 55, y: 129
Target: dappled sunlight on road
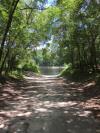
x: 42, y: 104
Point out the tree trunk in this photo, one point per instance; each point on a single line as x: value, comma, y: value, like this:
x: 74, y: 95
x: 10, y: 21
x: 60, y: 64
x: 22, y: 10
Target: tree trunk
x: 79, y: 56
x: 12, y: 10
x: 93, y: 56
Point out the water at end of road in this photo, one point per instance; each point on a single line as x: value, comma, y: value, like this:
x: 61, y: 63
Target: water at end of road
x: 50, y: 70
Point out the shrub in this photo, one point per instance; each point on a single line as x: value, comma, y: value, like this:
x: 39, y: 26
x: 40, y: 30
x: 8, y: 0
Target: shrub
x: 30, y: 66
x: 67, y: 70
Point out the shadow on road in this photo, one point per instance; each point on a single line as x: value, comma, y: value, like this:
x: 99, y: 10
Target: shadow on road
x: 41, y: 104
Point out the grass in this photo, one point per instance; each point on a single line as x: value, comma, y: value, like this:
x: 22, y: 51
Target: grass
x: 16, y: 74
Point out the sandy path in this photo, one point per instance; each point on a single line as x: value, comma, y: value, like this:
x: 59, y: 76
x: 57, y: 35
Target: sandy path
x: 41, y: 104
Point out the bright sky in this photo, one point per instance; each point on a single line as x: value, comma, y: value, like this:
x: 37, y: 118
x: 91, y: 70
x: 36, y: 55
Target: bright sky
x: 49, y: 2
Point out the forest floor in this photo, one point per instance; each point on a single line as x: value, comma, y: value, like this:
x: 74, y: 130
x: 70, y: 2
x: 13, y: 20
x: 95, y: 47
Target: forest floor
x: 44, y: 104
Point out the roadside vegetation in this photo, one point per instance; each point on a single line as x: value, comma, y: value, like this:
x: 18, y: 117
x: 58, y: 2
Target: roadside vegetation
x: 33, y: 33
x: 61, y: 33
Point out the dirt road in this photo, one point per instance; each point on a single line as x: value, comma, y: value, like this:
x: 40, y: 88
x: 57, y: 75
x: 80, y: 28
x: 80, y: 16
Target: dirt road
x: 43, y: 104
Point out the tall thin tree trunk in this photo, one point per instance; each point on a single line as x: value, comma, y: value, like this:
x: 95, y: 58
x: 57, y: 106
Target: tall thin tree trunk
x: 93, y: 56
x: 12, y: 10
x: 3, y: 63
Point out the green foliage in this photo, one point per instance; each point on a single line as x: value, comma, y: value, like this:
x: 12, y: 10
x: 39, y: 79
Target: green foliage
x: 70, y: 30
x: 16, y: 74
x: 80, y: 33
x: 30, y: 66
x: 68, y: 70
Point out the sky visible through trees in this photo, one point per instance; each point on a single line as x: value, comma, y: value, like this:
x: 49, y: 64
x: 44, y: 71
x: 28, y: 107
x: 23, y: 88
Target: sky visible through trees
x: 49, y: 33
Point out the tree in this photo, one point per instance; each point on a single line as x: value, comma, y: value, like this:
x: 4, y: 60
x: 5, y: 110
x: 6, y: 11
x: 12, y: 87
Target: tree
x: 10, y: 17
x: 80, y: 30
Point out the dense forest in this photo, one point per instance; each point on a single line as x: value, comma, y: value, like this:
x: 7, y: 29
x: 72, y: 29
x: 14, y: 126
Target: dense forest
x: 39, y: 32
x: 49, y: 66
